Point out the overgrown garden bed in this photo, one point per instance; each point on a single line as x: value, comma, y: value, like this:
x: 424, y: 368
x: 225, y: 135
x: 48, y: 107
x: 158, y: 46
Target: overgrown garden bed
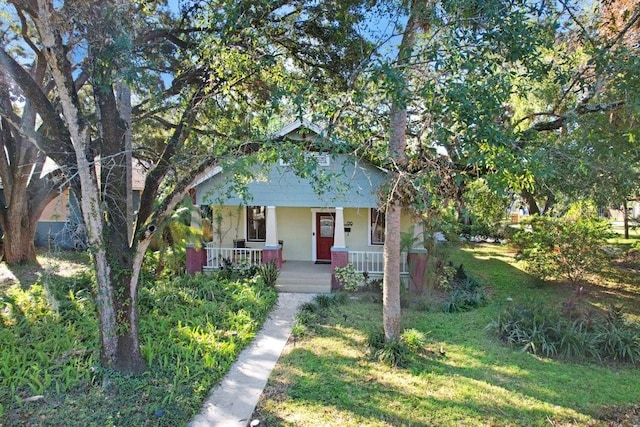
x: 192, y: 329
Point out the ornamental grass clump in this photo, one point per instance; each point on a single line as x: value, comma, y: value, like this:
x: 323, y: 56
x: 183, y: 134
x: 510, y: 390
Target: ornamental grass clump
x: 464, y: 292
x: 269, y: 273
x: 397, y: 351
x: 579, y: 336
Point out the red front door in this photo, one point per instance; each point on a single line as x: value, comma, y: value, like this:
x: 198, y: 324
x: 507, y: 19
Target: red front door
x: 324, y: 235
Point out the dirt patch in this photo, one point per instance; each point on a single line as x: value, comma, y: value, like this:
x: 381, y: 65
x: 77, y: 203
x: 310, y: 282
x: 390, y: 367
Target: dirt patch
x: 61, y: 263
x: 628, y: 416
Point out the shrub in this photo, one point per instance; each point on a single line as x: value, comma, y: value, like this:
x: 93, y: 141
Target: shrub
x: 569, y: 247
x: 350, y: 279
x: 396, y: 351
x: 324, y: 300
x: 231, y: 271
x: 375, y: 339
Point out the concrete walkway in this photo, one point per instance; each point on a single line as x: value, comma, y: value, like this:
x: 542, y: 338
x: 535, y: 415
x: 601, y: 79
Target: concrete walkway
x: 233, y: 401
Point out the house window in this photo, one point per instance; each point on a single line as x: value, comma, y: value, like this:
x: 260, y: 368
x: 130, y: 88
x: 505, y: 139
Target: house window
x: 323, y: 159
x: 256, y: 224
x: 377, y: 227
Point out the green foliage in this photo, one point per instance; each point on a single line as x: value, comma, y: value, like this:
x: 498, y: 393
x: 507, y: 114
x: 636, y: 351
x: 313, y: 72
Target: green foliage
x: 314, y: 313
x: 240, y: 271
x: 465, y: 295
x: 324, y: 301
x: 350, y: 279
x: 394, y: 352
x: 480, y: 381
x: 569, y: 247
x: 414, y: 339
x: 445, y: 280
x: 580, y: 336
x: 307, y: 317
x: 269, y: 273
x: 397, y: 351
x: 463, y: 292
x: 485, y: 210
x: 193, y: 328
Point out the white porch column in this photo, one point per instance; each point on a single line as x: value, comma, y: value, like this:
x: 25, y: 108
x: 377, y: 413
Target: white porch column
x: 271, y: 239
x: 338, y: 233
x: 418, y: 235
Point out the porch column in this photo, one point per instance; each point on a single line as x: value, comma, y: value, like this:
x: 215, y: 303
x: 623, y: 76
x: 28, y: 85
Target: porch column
x: 418, y: 235
x: 339, y: 251
x: 272, y: 249
x: 272, y: 232
x: 196, y: 259
x: 196, y: 256
x: 338, y: 233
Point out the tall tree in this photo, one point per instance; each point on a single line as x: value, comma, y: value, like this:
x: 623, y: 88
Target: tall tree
x: 391, y: 310
x: 576, y: 129
x: 27, y: 187
x: 445, y: 88
x: 206, y: 79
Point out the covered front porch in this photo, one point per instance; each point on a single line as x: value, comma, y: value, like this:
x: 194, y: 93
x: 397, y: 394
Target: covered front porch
x: 297, y: 276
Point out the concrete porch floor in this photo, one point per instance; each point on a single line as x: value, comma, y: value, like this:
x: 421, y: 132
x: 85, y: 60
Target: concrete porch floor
x: 304, y: 277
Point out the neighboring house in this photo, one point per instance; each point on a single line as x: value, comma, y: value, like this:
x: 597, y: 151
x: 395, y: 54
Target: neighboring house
x: 60, y: 225
x: 284, y: 219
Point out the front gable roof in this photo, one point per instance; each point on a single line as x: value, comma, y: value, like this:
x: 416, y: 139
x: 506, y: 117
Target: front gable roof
x: 300, y: 130
x: 353, y: 182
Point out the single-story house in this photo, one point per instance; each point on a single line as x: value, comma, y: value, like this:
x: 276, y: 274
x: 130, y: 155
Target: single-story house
x: 284, y: 218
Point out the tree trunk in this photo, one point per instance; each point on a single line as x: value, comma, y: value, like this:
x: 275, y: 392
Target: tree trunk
x: 19, y: 233
x: 103, y: 204
x: 531, y: 203
x: 391, y: 310
x: 625, y: 218
x: 119, y: 327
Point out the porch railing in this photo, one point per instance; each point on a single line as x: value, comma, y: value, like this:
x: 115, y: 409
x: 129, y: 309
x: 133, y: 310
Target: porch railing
x: 369, y: 261
x: 216, y: 257
x: 373, y: 262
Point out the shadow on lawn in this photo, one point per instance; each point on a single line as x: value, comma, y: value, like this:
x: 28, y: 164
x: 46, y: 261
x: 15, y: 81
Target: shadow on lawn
x: 478, y: 381
x: 410, y: 402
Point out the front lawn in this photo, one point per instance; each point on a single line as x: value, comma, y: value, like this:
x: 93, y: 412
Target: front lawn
x: 465, y: 376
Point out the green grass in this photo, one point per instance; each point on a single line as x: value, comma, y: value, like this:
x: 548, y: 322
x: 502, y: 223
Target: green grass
x: 191, y: 329
x: 329, y: 378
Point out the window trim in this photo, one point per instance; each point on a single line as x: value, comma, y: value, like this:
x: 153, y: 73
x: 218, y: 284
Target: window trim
x: 249, y: 226
x: 370, y: 227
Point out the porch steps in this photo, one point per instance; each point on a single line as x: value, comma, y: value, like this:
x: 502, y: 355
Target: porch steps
x: 304, y: 277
